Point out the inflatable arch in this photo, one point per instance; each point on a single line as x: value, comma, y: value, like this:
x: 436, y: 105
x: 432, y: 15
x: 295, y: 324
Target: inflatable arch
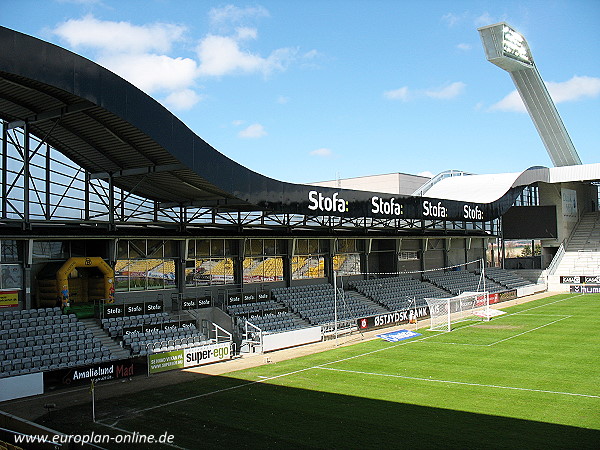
x: 88, y: 262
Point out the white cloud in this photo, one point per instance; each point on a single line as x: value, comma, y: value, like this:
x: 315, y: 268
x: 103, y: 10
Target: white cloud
x: 282, y: 100
x: 120, y: 37
x: 485, y: 19
x: 512, y: 102
x: 464, y: 46
x: 322, y: 152
x: 397, y: 94
x: 577, y: 88
x: 447, y: 92
x: 451, y: 19
x: 152, y: 73
x: 222, y: 55
x: 574, y: 89
x: 253, y: 131
x: 142, y: 54
x: 182, y: 100
x: 82, y: 2
x: 244, y: 33
x: 230, y: 14
x: 450, y: 91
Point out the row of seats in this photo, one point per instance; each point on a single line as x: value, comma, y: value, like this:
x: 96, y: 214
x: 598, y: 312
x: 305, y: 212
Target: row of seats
x: 28, y: 313
x: 316, y: 303
x: 398, y: 293
x: 41, y: 330
x: 282, y: 321
x: 142, y: 343
x: 135, y: 320
x: 63, y: 338
x: 41, y: 363
x: 313, y: 288
x: 506, y: 278
x: 457, y: 282
x: 49, y: 349
x: 255, y: 308
x: 45, y: 339
x: 114, y: 326
x: 14, y: 324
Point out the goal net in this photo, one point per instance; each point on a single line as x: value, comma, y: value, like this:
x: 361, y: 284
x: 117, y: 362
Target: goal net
x: 444, y: 312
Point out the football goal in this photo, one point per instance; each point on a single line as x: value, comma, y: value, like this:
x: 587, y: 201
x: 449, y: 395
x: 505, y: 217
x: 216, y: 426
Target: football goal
x: 444, y: 312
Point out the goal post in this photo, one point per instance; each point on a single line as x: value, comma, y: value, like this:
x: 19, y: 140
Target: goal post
x: 443, y: 312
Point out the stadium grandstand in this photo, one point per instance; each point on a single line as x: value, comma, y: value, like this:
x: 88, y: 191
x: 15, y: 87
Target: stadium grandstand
x: 124, y: 235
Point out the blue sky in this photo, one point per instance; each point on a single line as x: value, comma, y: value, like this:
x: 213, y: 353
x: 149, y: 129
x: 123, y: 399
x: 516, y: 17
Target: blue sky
x: 313, y: 90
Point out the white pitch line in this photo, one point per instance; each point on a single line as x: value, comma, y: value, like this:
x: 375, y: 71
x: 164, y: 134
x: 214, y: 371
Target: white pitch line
x: 529, y: 331
x: 546, y: 304
x: 266, y: 379
x: 459, y: 382
x: 263, y: 380
x: 505, y: 339
x: 230, y: 388
x: 544, y: 315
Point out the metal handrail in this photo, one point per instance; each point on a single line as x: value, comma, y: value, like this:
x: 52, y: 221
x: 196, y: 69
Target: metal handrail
x: 556, y: 260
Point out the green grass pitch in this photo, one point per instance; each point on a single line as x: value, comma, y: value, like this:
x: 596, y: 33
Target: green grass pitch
x: 527, y: 379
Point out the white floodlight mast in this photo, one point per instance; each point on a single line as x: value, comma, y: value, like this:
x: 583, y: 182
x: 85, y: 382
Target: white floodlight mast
x: 509, y: 50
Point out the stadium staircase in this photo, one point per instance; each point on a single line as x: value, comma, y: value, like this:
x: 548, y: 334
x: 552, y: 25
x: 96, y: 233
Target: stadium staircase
x: 116, y: 351
x: 581, y: 255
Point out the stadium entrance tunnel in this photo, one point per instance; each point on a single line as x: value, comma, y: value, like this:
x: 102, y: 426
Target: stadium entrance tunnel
x: 78, y: 281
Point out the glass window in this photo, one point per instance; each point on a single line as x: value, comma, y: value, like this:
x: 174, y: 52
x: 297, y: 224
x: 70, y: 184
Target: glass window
x: 9, y: 251
x: 308, y: 260
x: 47, y: 250
x: 145, y: 265
x: 210, y: 262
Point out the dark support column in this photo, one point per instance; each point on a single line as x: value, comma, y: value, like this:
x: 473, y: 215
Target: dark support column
x: 447, y: 245
x: 3, y: 195
x: 48, y: 204
x: 27, y: 278
x: 503, y: 254
x: 423, y: 249
x: 87, y: 196
x: 238, y: 264
x: 182, y: 218
x: 26, y: 175
x: 328, y: 260
x: 397, y: 255
x: 287, y: 262
x: 111, y: 202
x: 180, y: 267
x: 112, y: 252
x: 364, y: 257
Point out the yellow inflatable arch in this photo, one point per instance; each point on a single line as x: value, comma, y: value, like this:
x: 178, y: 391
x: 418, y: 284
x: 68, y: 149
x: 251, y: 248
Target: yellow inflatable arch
x: 62, y: 276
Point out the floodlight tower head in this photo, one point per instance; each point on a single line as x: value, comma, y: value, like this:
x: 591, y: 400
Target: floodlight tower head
x: 505, y: 47
x: 508, y: 49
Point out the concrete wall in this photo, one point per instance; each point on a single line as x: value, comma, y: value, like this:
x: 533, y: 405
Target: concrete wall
x: 555, y: 194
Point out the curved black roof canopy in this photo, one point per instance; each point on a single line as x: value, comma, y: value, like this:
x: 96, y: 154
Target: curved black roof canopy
x: 108, y: 126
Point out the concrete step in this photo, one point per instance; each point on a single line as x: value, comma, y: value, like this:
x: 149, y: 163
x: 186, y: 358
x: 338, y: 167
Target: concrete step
x: 116, y: 351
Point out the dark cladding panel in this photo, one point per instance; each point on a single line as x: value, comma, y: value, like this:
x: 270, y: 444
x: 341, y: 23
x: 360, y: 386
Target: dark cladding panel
x: 87, y: 81
x: 530, y: 222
